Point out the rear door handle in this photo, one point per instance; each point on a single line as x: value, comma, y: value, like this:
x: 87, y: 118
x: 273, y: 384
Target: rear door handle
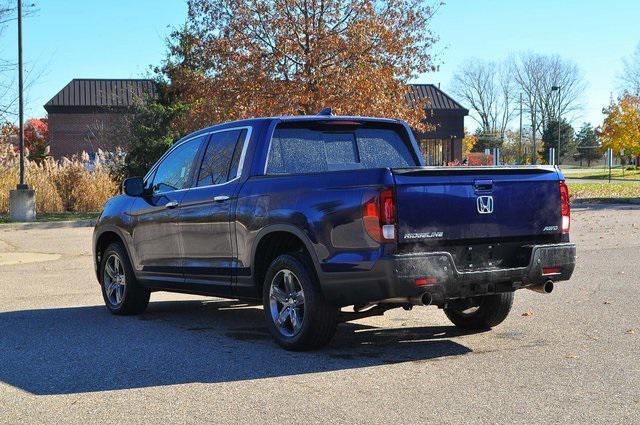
x: 220, y: 198
x: 171, y: 204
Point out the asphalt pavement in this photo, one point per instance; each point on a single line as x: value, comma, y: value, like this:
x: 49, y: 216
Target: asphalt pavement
x: 569, y: 357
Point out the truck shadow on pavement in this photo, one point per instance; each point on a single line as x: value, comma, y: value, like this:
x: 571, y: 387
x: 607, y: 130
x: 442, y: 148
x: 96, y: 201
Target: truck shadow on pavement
x: 83, y: 349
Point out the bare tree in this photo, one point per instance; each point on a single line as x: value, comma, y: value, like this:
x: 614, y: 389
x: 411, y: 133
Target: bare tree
x: 630, y: 77
x: 9, y: 67
x: 527, y: 73
x: 566, y: 101
x: 488, y: 89
x: 536, y: 76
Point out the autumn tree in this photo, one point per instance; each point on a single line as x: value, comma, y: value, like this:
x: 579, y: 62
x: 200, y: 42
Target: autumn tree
x: 621, y: 127
x: 510, y: 151
x: 36, y: 138
x: 468, y: 142
x: 243, y: 58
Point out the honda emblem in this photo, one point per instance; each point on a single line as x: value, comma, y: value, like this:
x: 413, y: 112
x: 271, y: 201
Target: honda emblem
x: 485, y: 204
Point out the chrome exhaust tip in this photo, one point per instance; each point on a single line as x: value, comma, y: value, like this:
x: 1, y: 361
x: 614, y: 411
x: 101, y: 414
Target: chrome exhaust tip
x: 422, y: 299
x: 545, y: 288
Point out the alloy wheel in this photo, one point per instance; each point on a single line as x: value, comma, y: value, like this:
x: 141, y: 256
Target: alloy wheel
x: 114, y: 280
x: 286, y: 301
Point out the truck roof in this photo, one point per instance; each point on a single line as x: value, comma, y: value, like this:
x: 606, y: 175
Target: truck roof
x: 287, y: 118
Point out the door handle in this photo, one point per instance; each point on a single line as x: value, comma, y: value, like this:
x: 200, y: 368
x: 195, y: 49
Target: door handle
x: 171, y: 204
x: 220, y: 198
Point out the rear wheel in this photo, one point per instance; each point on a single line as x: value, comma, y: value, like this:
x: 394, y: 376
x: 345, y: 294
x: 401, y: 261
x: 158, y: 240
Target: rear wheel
x: 121, y: 291
x: 485, y: 313
x: 297, y: 314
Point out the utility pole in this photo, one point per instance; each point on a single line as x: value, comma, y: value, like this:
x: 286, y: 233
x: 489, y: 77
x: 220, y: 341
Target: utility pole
x: 559, y: 111
x: 22, y: 201
x: 520, y: 148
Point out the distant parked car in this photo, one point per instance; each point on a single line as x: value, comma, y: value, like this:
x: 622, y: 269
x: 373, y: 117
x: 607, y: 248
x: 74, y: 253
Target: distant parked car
x: 313, y: 213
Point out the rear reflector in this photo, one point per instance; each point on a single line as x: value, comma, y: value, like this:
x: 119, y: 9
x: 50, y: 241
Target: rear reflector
x: 389, y: 231
x: 551, y: 270
x: 422, y: 281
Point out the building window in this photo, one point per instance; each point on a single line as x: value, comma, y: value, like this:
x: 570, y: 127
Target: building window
x: 436, y: 151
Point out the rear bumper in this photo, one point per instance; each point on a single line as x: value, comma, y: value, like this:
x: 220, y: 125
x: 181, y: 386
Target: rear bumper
x: 395, y: 276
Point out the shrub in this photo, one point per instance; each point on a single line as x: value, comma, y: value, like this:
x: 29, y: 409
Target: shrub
x: 60, y: 186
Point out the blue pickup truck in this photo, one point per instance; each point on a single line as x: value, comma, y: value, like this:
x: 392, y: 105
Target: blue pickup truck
x: 328, y: 218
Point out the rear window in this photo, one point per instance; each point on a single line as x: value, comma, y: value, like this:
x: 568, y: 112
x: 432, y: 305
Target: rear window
x: 316, y: 148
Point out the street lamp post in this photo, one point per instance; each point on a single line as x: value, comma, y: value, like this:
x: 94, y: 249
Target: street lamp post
x: 554, y: 88
x: 21, y: 185
x: 22, y: 201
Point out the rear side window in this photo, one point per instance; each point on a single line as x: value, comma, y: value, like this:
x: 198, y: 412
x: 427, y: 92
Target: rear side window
x: 221, y: 160
x: 314, y: 149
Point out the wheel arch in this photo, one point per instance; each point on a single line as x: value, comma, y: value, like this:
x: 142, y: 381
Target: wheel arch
x: 106, y: 237
x: 275, y: 240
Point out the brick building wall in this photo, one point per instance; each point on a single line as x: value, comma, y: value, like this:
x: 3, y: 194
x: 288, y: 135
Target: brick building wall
x: 73, y: 133
x: 91, y: 114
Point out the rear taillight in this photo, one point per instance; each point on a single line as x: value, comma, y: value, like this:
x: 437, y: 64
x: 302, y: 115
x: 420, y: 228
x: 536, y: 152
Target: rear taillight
x: 379, y: 217
x: 565, y: 208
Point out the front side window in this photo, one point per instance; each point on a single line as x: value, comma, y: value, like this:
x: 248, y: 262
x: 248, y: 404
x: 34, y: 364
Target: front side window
x: 174, y: 172
x: 222, y: 157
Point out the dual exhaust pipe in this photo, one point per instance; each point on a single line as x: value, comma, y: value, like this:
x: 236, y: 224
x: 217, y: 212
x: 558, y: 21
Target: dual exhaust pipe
x: 425, y: 298
x: 543, y: 288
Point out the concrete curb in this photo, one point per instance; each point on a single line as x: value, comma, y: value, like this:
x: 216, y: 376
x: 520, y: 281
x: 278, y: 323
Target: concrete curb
x: 48, y: 224
x: 606, y: 201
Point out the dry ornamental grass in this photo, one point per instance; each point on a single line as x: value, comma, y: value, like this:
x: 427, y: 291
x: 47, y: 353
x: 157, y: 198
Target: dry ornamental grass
x: 65, y: 185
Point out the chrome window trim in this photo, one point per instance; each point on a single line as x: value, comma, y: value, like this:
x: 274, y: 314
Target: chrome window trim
x: 266, y: 160
x: 240, y: 165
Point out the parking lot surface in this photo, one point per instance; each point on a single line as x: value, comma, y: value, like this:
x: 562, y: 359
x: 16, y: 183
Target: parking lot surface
x: 571, y: 356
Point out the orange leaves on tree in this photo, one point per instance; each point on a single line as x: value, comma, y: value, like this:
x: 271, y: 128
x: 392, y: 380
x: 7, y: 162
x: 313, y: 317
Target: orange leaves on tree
x: 241, y: 58
x: 36, y: 133
x: 621, y: 126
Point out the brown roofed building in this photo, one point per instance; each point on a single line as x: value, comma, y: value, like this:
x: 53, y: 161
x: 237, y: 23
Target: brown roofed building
x: 87, y: 113
x: 443, y: 143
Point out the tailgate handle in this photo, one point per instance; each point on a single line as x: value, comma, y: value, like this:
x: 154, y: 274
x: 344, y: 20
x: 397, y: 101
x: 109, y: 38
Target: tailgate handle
x: 481, y: 185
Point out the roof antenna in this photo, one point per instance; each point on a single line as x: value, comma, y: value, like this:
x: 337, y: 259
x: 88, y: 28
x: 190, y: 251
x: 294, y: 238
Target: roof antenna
x: 326, y: 112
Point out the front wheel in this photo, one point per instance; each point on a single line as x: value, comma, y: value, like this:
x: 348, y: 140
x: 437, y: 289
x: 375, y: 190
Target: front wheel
x: 488, y: 311
x: 121, y: 291
x: 297, y: 314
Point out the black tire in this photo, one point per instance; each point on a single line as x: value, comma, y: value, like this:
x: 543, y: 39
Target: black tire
x: 135, y: 298
x: 491, y: 311
x: 320, y: 318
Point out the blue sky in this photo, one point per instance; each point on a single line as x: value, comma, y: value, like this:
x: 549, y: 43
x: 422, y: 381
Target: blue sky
x: 120, y: 39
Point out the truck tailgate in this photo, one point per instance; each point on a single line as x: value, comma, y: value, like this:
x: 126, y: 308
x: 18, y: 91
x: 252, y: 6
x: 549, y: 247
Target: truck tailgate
x: 466, y: 203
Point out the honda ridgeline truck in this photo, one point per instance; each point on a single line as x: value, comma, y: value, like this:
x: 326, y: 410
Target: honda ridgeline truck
x: 327, y: 218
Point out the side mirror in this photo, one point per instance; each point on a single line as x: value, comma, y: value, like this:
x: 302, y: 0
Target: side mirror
x: 133, y: 186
